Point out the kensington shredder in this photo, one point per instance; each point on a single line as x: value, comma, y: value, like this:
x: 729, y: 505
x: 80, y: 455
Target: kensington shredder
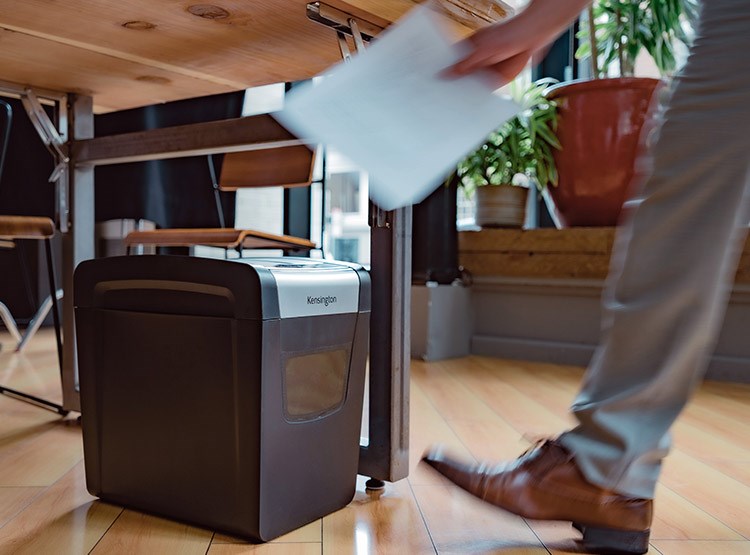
x: 223, y: 393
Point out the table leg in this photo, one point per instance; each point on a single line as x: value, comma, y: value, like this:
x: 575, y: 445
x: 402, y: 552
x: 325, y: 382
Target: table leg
x: 78, y: 241
x: 386, y: 457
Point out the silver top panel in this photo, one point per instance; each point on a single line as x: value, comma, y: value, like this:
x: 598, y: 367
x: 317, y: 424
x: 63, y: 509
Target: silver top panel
x: 312, y: 287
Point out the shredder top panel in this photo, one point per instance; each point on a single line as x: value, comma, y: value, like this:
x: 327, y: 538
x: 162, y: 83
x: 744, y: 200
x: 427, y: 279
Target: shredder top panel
x: 176, y: 285
x: 312, y: 287
x: 252, y: 288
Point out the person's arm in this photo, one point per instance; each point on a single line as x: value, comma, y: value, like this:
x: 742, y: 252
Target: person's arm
x: 504, y: 48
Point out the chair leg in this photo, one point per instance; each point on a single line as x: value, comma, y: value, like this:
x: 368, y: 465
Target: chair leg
x: 36, y: 321
x: 9, y: 322
x: 53, y: 296
x: 21, y: 396
x: 56, y: 316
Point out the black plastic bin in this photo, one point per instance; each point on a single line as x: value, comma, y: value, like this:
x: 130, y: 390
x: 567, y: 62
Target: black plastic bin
x: 226, y: 394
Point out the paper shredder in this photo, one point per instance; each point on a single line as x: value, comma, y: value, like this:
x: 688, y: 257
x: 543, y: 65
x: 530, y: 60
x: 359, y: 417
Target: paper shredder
x: 223, y: 393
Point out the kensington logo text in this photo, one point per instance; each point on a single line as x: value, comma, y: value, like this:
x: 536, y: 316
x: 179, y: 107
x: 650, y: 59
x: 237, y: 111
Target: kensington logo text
x: 321, y: 300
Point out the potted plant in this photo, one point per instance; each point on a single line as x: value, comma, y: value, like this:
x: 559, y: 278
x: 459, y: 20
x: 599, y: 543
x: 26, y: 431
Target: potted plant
x: 498, y: 173
x: 600, y: 120
x: 618, y: 30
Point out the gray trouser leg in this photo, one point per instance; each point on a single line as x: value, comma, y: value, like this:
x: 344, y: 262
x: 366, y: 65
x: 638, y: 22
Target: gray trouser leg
x: 673, y: 265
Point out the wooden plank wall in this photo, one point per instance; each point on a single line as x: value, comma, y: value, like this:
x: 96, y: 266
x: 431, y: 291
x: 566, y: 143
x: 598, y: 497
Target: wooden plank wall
x: 574, y: 253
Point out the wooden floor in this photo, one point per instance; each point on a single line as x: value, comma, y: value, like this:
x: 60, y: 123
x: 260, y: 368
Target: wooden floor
x: 480, y: 407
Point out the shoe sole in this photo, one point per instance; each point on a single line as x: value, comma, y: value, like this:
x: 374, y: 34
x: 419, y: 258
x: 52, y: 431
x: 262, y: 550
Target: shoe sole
x: 606, y: 541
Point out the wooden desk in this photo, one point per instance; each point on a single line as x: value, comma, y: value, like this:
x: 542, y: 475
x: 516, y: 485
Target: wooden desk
x: 101, y: 55
x: 140, y: 52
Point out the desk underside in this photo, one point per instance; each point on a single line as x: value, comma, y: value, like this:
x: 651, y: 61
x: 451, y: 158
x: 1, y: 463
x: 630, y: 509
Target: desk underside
x: 165, y: 52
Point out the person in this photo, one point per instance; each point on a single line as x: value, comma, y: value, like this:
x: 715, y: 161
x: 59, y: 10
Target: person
x: 674, y: 260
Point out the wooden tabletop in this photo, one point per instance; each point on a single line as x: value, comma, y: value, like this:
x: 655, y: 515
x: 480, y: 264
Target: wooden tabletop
x: 138, y: 52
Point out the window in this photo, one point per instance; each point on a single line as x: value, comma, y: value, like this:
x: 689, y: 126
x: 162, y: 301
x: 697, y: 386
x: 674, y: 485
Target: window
x: 344, y: 189
x: 347, y: 232
x: 346, y: 249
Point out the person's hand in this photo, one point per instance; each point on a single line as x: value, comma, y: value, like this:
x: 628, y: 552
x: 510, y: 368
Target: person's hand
x: 503, y: 49
x: 498, y: 51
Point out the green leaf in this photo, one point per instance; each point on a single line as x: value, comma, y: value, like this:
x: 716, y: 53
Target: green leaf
x: 628, y: 26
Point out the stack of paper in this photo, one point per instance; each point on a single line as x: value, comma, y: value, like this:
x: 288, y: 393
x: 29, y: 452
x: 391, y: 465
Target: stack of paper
x: 391, y: 112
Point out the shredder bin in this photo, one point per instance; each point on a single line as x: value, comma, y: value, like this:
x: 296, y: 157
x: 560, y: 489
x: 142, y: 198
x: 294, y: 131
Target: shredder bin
x: 226, y: 394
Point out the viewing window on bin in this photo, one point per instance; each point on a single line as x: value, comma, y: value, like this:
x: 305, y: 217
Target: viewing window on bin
x: 315, y: 384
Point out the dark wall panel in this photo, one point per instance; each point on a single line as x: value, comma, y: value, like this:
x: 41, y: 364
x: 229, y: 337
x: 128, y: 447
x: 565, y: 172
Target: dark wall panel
x: 172, y: 193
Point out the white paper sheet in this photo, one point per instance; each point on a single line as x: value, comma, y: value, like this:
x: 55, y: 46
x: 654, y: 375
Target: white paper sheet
x: 391, y: 112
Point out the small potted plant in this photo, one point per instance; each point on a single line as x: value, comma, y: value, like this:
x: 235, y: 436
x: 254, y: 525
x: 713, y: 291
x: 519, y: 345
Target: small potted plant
x: 601, y: 119
x: 498, y: 173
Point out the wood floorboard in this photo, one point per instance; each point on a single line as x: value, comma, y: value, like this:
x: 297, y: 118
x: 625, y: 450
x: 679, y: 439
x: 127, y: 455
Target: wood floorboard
x: 461, y: 524
x: 135, y: 532
x: 311, y: 533
x: 480, y: 408
x: 676, y: 518
x: 729, y: 398
x: 717, y: 423
x: 40, y: 459
x: 739, y: 470
x: 708, y: 447
x: 266, y: 549
x: 559, y: 538
x: 427, y: 427
x: 524, y: 413
x: 13, y: 500
x: 712, y: 491
x: 390, y: 522
x: 62, y: 520
x: 702, y: 547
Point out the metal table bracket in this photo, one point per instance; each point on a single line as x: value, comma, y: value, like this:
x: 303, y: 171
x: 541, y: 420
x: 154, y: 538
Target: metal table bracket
x: 56, y: 144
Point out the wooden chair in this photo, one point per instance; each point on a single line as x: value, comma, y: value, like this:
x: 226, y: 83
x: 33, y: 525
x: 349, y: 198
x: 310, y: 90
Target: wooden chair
x: 286, y: 167
x: 13, y: 228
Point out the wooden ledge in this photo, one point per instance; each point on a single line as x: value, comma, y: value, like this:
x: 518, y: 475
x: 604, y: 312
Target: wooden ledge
x: 228, y: 238
x: 259, y: 240
x: 26, y: 227
x: 573, y: 253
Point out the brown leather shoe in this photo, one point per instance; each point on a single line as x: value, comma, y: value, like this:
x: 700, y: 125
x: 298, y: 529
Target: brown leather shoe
x: 545, y: 484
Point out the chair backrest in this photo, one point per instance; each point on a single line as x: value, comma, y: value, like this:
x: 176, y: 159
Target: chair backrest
x: 6, y: 117
x: 290, y: 166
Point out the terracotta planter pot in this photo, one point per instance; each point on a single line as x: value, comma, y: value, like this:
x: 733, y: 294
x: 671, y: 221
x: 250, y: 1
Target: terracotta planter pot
x: 600, y: 124
x: 501, y: 206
